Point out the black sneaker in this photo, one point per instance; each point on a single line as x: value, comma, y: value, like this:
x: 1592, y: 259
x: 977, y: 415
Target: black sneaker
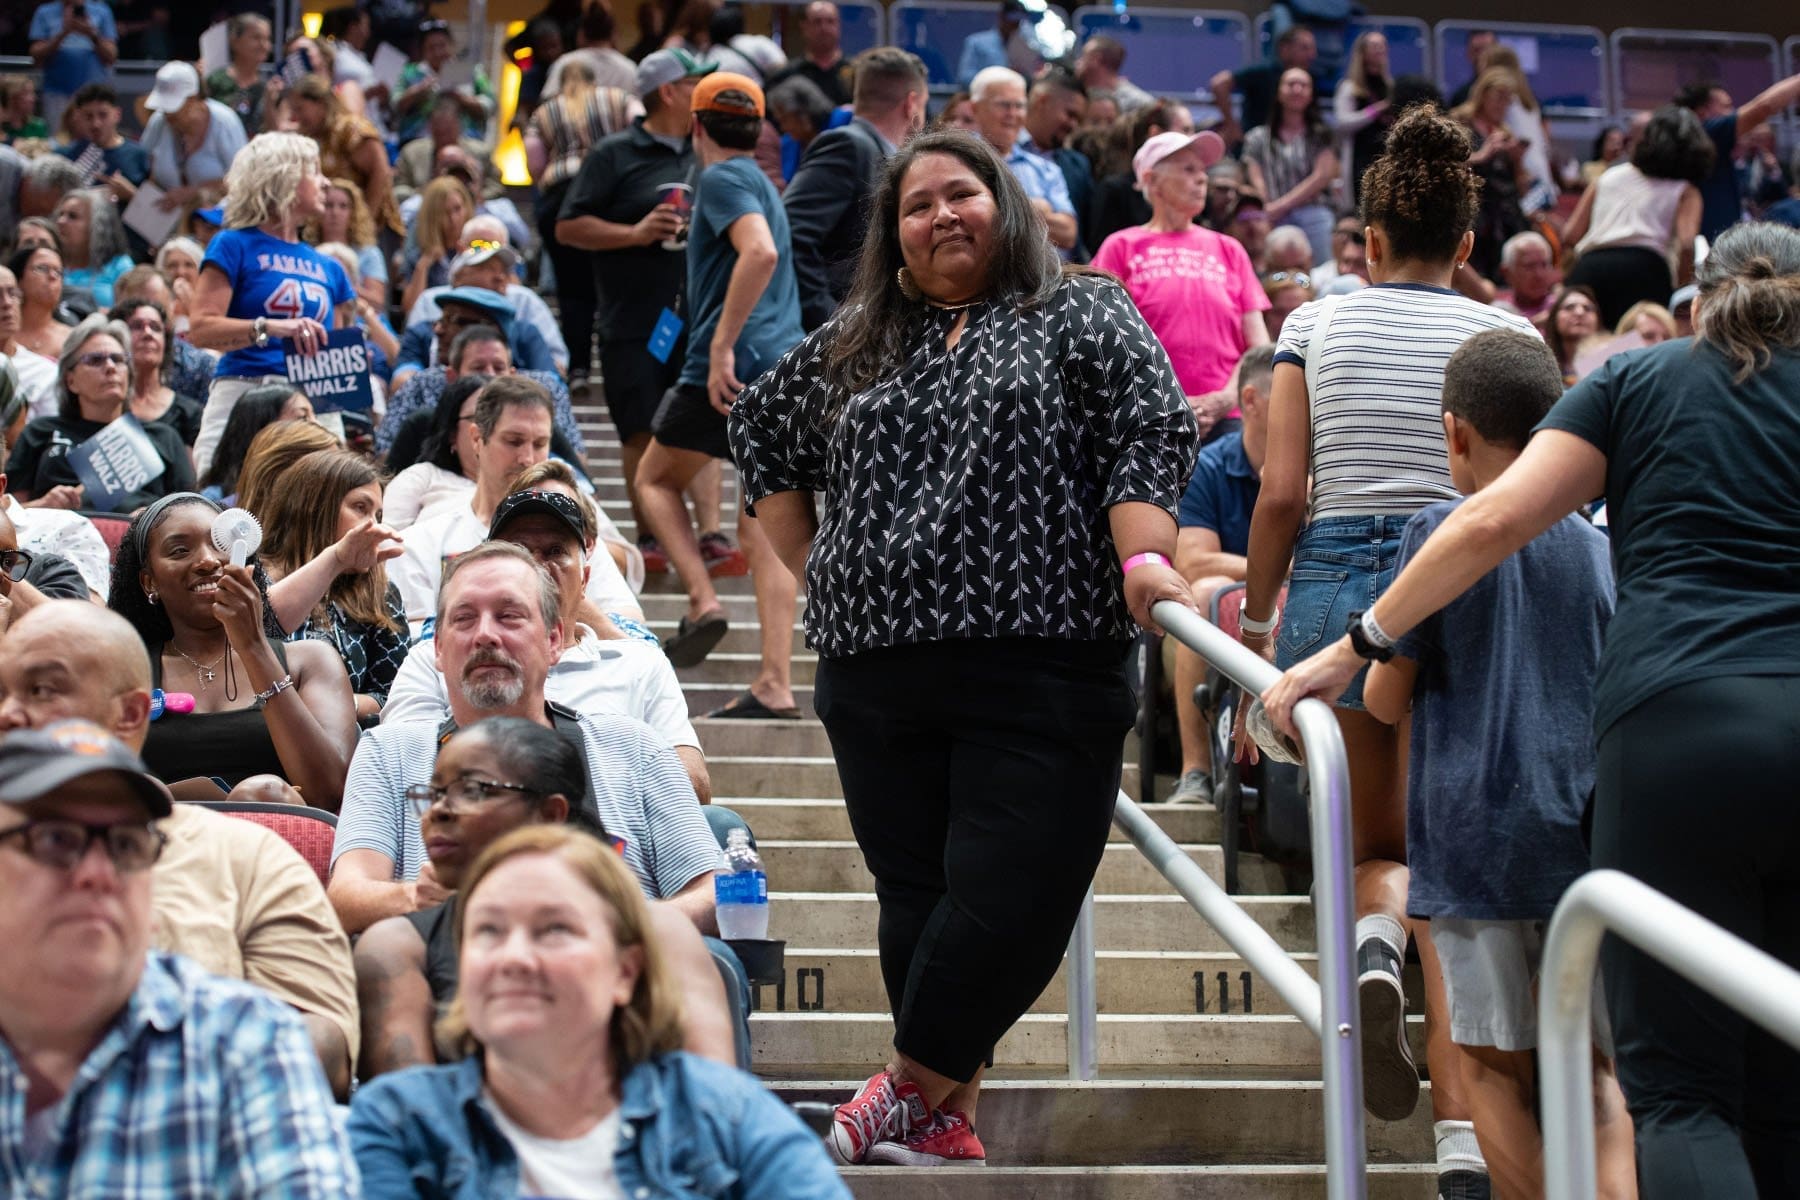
x: 1464, y: 1185
x: 1390, y: 1077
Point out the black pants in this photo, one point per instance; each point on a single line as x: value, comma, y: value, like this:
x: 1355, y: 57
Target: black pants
x: 576, y: 294
x: 980, y: 778
x: 1697, y: 797
x: 1623, y: 277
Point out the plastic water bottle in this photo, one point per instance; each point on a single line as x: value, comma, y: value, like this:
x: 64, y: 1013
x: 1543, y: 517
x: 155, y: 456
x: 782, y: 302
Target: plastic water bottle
x: 741, y: 894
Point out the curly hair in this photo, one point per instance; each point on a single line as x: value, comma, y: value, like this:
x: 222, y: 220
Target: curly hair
x: 878, y: 322
x: 265, y: 175
x: 106, y: 232
x: 126, y: 594
x: 1674, y: 145
x: 362, y: 221
x: 1421, y: 193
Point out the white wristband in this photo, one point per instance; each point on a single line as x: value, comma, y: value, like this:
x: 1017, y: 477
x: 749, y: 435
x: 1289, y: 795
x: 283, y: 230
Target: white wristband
x: 1375, y: 633
x: 1255, y: 628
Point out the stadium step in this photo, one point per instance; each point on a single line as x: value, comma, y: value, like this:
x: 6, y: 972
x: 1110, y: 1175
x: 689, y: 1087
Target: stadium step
x: 1208, y: 1087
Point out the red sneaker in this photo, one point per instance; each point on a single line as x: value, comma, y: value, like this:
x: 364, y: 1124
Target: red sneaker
x: 879, y: 1110
x: 947, y: 1140
x: 722, y: 558
x: 656, y: 560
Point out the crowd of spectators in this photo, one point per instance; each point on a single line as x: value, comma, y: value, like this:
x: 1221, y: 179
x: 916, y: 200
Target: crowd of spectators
x: 1276, y: 351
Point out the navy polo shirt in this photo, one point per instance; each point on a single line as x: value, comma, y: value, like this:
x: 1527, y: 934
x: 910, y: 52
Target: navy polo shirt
x: 1221, y: 495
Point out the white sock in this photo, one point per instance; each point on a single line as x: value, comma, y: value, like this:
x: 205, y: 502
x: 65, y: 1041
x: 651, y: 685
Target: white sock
x: 1380, y: 925
x: 1457, y: 1149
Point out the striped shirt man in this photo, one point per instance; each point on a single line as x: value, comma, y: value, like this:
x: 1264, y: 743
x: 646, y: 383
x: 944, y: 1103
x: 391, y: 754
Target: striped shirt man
x: 203, y: 1089
x: 635, y: 781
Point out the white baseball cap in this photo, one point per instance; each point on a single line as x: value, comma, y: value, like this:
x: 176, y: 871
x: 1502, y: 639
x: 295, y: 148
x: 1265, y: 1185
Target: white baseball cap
x: 175, y: 83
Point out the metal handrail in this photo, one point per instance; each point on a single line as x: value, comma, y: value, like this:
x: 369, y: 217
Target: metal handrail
x: 1326, y: 1006
x: 1707, y: 956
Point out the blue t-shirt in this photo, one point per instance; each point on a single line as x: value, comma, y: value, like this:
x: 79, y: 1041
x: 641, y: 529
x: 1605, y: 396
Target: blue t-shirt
x: 127, y: 158
x: 275, y: 279
x: 76, y: 62
x: 729, y: 190
x: 1222, y: 493
x: 1502, y: 731
x: 1721, y: 203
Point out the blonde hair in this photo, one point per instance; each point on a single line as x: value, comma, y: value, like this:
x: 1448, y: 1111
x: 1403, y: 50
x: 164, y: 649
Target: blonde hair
x: 1503, y: 57
x: 362, y: 222
x: 1359, y: 69
x: 265, y: 175
x: 428, y: 225
x: 1487, y: 81
x: 577, y: 85
x: 276, y: 447
x: 1646, y: 308
x: 650, y: 1022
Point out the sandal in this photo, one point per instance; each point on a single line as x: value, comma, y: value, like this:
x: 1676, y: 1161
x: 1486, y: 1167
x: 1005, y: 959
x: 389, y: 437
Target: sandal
x: 746, y: 707
x: 694, y: 640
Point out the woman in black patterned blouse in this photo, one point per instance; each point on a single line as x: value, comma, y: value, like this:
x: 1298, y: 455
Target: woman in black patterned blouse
x: 997, y: 439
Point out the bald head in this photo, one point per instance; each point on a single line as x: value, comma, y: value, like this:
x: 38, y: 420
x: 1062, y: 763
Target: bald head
x: 69, y: 658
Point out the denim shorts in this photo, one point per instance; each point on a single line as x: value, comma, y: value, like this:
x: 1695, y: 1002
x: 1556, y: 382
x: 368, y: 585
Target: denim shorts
x: 1340, y: 566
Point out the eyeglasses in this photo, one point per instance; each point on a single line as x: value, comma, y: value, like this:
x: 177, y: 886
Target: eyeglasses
x: 1297, y: 278
x: 15, y: 563
x: 100, y: 358
x: 466, y: 793
x: 63, y: 844
x: 46, y: 270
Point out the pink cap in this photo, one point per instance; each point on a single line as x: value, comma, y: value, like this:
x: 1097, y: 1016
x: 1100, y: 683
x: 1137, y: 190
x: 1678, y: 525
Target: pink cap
x: 1210, y: 144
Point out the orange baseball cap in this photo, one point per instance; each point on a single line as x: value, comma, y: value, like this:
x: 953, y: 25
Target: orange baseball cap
x: 708, y: 95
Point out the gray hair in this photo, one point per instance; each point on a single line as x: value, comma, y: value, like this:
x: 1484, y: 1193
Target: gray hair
x: 1284, y: 237
x: 181, y: 245
x: 346, y: 258
x: 1749, y: 303
x: 989, y: 78
x: 549, y: 605
x: 1517, y: 244
x: 798, y: 94
x: 106, y: 232
x: 67, y: 406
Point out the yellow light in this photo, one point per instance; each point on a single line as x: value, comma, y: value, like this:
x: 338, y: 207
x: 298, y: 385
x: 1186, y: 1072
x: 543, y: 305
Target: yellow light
x: 311, y: 22
x: 509, y: 156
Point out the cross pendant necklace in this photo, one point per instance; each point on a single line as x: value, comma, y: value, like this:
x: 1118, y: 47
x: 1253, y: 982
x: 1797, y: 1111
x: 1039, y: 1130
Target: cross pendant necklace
x: 205, y: 673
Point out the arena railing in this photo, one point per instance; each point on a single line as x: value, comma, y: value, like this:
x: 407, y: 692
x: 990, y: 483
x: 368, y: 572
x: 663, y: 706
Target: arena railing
x: 1326, y: 1006
x: 1721, y: 963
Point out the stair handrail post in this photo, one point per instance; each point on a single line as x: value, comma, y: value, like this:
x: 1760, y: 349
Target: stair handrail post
x: 1328, y: 773
x: 1711, y: 958
x: 1084, y: 1021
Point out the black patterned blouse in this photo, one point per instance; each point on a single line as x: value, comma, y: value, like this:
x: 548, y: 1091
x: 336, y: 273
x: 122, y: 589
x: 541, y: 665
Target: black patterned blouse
x: 371, y: 655
x: 966, y: 494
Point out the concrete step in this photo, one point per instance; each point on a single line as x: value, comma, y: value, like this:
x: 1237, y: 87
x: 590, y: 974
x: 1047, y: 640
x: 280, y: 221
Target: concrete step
x: 1402, y: 1182
x: 739, y: 639
x: 703, y: 698
x: 1058, y: 1123
x: 741, y: 667
x: 1156, y: 1041
x: 739, y: 602
x: 668, y: 583
x: 1156, y: 921
x: 838, y: 867
x: 811, y: 818
x: 805, y: 737
x: 747, y: 775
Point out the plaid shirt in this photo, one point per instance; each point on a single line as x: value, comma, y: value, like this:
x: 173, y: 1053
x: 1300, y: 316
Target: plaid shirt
x: 204, y: 1087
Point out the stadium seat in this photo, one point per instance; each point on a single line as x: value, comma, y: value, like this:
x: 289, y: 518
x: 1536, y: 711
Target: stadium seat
x: 311, y: 831
x: 112, y: 529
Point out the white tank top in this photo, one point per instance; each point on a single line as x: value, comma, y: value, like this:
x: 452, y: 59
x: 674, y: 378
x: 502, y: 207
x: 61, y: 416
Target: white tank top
x: 1632, y: 209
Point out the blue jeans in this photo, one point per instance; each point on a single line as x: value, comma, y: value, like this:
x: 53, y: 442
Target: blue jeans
x: 1341, y: 565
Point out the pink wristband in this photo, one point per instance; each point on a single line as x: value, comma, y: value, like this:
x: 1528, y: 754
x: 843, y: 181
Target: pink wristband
x: 1138, y: 560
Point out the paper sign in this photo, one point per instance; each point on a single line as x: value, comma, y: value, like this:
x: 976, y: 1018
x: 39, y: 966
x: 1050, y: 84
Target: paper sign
x: 215, y: 49
x: 90, y: 163
x: 1589, y: 357
x: 457, y: 73
x: 114, y: 463
x: 295, y: 67
x: 387, y: 65
x: 336, y: 378
x: 146, y: 215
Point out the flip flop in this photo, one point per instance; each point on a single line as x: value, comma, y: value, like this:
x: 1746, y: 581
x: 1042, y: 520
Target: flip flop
x: 694, y: 640
x: 746, y: 707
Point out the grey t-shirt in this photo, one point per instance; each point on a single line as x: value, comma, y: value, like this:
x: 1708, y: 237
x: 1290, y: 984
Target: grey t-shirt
x: 1502, y: 737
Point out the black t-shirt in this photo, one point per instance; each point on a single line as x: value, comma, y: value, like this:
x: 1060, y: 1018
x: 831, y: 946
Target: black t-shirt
x: 183, y: 416
x: 1703, y: 504
x: 834, y: 81
x: 40, y: 461
x: 620, y: 181
x: 437, y: 929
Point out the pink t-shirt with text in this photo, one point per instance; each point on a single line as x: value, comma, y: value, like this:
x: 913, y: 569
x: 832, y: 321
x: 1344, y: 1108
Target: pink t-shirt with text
x: 1193, y: 288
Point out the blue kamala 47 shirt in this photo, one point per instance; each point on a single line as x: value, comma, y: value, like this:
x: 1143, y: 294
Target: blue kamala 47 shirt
x: 274, y: 279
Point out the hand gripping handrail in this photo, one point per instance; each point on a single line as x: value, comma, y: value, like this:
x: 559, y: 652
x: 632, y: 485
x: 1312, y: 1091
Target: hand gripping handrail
x: 1712, y: 959
x: 1326, y: 1007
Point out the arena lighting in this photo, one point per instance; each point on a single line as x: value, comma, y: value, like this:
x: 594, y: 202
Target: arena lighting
x: 311, y: 22
x: 509, y: 156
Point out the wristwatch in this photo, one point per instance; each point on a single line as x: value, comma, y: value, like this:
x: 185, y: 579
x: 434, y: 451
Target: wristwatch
x: 1359, y: 641
x: 259, y: 329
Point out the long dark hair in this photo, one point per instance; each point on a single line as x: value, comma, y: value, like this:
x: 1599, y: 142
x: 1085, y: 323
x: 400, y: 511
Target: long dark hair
x: 1553, y: 338
x: 1316, y: 129
x: 1750, y: 295
x: 125, y: 595
x: 256, y: 408
x: 1674, y: 145
x: 439, y: 448
x: 879, y: 324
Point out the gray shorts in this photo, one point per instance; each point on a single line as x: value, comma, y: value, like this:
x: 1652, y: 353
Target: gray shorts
x: 1490, y: 978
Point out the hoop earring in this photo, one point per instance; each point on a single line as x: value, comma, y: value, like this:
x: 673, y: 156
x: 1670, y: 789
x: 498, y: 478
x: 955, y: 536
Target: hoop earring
x: 150, y: 595
x: 908, y: 288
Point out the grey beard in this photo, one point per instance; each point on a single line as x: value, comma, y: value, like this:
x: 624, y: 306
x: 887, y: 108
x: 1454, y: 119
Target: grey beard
x: 491, y: 694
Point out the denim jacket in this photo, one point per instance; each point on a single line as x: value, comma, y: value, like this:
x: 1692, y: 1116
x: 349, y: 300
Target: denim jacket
x: 690, y: 1129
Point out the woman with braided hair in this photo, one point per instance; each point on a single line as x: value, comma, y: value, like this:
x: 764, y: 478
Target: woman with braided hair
x: 1373, y: 361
